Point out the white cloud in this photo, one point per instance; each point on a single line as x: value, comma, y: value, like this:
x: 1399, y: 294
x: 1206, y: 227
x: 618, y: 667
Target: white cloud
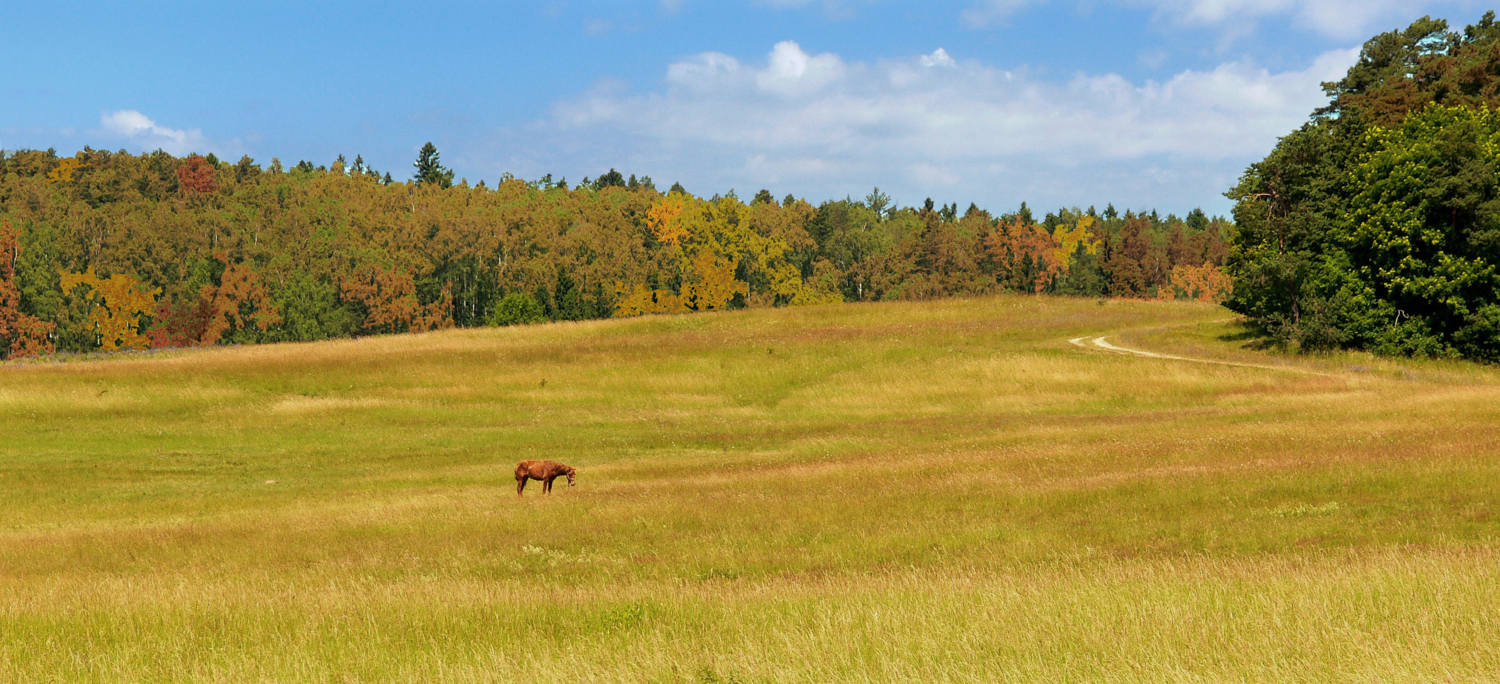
x: 792, y: 71
x: 139, y: 129
x: 938, y: 58
x: 826, y: 127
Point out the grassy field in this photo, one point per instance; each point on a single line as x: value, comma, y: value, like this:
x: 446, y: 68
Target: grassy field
x: 936, y: 492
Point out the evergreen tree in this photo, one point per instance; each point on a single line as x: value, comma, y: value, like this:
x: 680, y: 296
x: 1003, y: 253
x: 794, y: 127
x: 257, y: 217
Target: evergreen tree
x: 613, y: 179
x: 430, y: 169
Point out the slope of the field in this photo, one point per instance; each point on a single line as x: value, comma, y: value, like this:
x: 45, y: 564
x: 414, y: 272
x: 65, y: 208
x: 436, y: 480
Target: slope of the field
x: 938, y: 492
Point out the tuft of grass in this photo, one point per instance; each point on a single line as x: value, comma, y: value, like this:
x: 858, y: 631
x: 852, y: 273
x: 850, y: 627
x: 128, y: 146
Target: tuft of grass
x: 942, y: 491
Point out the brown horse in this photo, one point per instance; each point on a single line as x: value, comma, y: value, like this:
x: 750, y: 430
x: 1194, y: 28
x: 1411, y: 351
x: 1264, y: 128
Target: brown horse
x: 546, y: 471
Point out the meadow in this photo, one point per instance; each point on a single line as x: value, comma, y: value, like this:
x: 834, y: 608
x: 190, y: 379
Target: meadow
x: 947, y: 491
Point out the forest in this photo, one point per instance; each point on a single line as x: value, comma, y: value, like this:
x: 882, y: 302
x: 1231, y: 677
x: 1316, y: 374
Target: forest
x: 112, y: 250
x: 1376, y: 225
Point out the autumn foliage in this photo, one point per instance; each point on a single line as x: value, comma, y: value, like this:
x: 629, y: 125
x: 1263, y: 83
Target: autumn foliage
x: 389, y: 298
x: 199, y: 252
x: 1204, y: 283
x: 197, y: 175
x: 118, y: 303
x: 662, y: 219
x: 66, y: 169
x: 238, y: 303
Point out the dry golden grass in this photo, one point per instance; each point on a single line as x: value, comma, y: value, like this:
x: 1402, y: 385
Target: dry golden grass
x: 946, y: 492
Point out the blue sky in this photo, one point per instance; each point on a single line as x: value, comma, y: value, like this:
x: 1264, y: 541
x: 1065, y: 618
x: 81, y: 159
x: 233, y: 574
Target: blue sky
x: 1140, y: 103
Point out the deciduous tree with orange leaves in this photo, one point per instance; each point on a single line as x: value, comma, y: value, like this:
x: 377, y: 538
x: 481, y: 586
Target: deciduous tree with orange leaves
x: 390, y: 301
x: 1025, y: 255
x: 1206, y: 283
x: 238, y: 304
x: 197, y: 175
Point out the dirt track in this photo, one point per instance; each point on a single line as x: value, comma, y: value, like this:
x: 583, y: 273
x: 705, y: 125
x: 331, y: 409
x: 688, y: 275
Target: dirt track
x: 1099, y: 342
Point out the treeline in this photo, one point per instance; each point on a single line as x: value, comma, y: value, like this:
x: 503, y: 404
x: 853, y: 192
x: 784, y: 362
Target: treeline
x: 1377, y: 224
x: 111, y: 250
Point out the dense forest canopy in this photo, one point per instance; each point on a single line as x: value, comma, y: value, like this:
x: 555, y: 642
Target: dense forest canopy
x: 1376, y: 225
x: 111, y: 250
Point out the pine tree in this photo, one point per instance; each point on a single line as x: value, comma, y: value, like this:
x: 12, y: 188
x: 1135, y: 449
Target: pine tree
x: 613, y: 179
x: 430, y: 169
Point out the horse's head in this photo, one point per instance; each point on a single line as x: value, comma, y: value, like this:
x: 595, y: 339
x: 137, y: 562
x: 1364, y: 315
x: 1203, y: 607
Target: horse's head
x: 572, y: 478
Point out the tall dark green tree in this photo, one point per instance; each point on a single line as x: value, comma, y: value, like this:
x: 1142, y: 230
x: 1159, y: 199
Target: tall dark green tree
x: 430, y: 170
x: 613, y: 179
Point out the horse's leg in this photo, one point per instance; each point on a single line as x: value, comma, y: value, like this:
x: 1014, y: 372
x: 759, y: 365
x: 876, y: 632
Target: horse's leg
x: 547, y: 484
x: 521, y: 484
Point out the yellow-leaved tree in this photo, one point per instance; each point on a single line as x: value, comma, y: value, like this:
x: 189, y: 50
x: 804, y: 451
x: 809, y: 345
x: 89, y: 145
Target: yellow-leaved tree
x: 662, y: 219
x: 64, y: 171
x: 1204, y: 283
x: 642, y: 300
x: 118, y: 301
x: 1067, y: 241
x: 712, y: 285
x: 709, y: 242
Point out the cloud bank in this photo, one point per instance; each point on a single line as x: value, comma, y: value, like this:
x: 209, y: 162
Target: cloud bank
x: 934, y: 125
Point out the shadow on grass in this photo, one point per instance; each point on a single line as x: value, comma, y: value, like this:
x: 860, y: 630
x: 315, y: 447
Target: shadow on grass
x: 1254, y: 337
